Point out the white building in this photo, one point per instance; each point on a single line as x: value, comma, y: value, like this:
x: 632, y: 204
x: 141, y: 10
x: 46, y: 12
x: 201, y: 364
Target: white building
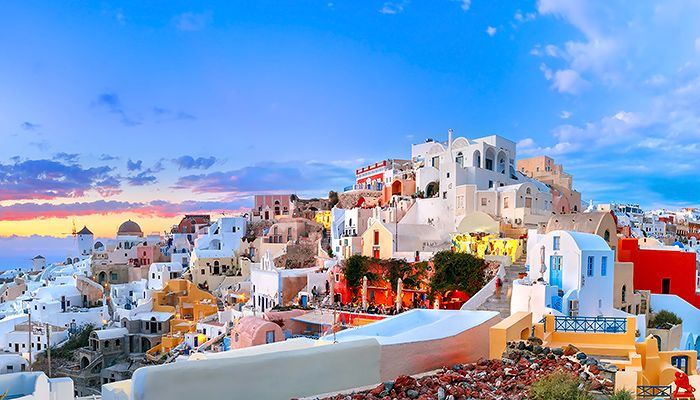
x: 130, y: 295
x: 18, y: 339
x: 462, y: 176
x: 38, y: 263
x: 37, y: 386
x: 570, y: 272
x: 12, y: 362
x: 160, y: 273
x: 85, y: 242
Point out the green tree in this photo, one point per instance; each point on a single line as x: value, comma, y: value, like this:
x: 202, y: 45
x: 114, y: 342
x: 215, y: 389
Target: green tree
x: 457, y: 271
x: 411, y: 275
x: 355, y: 268
x: 665, y: 319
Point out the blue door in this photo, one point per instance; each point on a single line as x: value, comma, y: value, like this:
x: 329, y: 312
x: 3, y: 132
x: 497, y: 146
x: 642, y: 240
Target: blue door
x: 555, y: 271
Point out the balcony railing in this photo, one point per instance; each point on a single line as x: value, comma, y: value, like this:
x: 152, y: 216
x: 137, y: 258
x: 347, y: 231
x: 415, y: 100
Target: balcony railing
x: 651, y: 392
x: 590, y: 324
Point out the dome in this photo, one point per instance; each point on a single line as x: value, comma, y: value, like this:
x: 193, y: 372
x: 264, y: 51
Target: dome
x: 129, y: 228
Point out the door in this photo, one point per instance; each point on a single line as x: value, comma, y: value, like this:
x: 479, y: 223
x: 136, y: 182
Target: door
x: 270, y: 337
x: 666, y: 286
x: 555, y: 271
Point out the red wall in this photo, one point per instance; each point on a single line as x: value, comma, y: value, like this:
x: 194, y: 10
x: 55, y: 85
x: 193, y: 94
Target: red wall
x: 652, y: 266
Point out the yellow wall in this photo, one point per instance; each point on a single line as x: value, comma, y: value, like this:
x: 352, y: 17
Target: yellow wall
x: 464, y: 243
x: 386, y: 241
x: 516, y: 327
x: 323, y: 217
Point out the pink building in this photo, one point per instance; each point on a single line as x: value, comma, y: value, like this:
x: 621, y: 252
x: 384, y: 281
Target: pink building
x: 565, y: 199
x: 272, y: 206
x: 254, y: 331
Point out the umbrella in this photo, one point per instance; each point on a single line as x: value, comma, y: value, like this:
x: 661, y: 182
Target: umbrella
x: 399, y: 294
x: 364, y: 292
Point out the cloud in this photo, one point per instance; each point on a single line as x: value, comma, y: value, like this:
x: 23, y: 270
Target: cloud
x: 466, y: 4
x: 158, y: 208
x: 110, y: 102
x: 28, y: 126
x: 50, y: 179
x: 391, y: 8
x: 142, y: 179
x: 189, y: 162
x: 520, y: 17
x: 491, y: 31
x: 71, y: 158
x: 565, y: 114
x: 134, y: 165
x: 173, y: 115
x: 190, y: 21
x: 270, y: 177
x: 107, y: 157
x: 564, y: 81
x: 697, y: 44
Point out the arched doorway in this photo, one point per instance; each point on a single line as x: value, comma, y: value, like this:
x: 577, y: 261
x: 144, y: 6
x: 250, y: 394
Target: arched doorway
x: 145, y: 344
x: 102, y: 277
x: 84, y: 362
x: 477, y: 159
x: 396, y: 188
x: 432, y: 190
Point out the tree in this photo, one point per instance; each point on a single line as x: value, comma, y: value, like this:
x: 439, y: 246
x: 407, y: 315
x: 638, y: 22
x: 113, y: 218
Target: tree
x: 356, y: 267
x: 665, y: 320
x: 411, y: 275
x: 457, y: 271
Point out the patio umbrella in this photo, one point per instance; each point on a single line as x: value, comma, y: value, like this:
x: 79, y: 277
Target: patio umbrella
x: 364, y: 293
x: 399, y: 294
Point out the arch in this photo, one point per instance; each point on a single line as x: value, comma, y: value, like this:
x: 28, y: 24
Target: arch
x: 476, y: 161
x: 606, y: 236
x: 396, y: 188
x: 215, y: 244
x: 145, y: 344
x: 460, y: 142
x: 459, y: 160
x: 697, y: 344
x: 624, y: 293
x: 525, y: 333
x: 501, y: 162
x: 102, y: 277
x: 528, y: 191
x: 490, y: 159
x: 658, y: 341
x: 84, y: 362
x: 432, y: 190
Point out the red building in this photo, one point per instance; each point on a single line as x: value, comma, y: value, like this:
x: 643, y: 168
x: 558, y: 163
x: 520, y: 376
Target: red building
x: 661, y: 271
x: 191, y: 222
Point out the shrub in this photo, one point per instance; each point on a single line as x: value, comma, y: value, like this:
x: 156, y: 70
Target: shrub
x: 558, y: 386
x: 664, y: 319
x: 457, y: 271
x: 623, y: 394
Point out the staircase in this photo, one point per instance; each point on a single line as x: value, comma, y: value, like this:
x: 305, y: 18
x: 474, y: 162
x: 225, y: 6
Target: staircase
x: 500, y: 301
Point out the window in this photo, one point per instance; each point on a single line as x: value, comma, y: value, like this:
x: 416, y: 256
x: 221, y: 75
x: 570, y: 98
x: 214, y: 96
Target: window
x: 591, y: 260
x: 114, y: 276
x: 460, y: 159
x: 270, y: 337
x: 556, y: 244
x: 604, y: 266
x: 606, y: 236
x: 490, y: 182
x: 9, y: 368
x: 483, y: 201
x: 505, y: 202
x: 337, y: 277
x: 376, y: 238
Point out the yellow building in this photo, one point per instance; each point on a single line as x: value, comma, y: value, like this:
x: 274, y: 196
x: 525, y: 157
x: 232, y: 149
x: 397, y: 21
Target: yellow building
x: 324, y: 218
x: 481, y: 246
x: 639, y: 363
x: 188, y: 304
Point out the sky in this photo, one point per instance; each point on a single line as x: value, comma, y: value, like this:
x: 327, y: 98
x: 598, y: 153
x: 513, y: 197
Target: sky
x: 116, y: 110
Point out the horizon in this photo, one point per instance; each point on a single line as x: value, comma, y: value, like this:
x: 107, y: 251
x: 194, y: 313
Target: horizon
x: 118, y: 111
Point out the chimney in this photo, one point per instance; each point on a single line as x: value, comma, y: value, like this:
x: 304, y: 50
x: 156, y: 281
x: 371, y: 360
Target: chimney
x: 449, y: 139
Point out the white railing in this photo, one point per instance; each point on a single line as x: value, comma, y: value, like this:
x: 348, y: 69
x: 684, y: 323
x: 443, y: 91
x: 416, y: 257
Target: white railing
x: 487, y: 291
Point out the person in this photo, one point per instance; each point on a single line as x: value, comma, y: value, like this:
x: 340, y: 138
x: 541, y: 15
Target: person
x: 372, y: 309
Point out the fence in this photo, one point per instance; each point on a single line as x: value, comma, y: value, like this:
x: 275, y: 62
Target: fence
x: 650, y: 392
x: 590, y: 324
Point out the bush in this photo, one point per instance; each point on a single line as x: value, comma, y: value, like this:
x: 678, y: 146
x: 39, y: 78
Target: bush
x: 558, y: 386
x: 457, y: 271
x: 664, y: 320
x: 623, y: 394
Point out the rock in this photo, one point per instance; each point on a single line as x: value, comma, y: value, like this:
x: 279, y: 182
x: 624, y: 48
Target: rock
x: 441, y: 394
x: 388, y: 385
x: 535, y: 340
x: 595, y: 385
x: 536, y: 349
x: 404, y: 381
x: 457, y: 367
x: 412, y: 394
x: 592, y: 368
x: 583, y: 376
x: 570, y: 350
x: 377, y: 390
x: 521, y: 345
x: 581, y: 355
x: 558, y: 352
x: 546, y: 350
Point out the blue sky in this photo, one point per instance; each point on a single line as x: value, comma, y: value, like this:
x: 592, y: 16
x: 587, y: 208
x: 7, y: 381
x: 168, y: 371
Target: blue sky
x: 112, y: 106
